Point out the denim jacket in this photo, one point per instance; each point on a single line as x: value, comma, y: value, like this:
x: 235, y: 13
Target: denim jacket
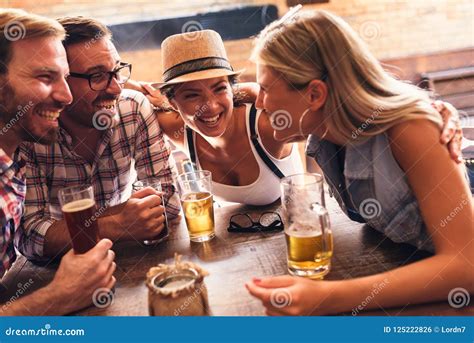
x: 370, y: 187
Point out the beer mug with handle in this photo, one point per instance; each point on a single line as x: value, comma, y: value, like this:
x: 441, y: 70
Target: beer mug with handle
x: 307, y: 228
x: 154, y: 183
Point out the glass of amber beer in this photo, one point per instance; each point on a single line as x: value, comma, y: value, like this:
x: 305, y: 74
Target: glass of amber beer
x: 78, y: 207
x: 307, y: 228
x: 197, y: 203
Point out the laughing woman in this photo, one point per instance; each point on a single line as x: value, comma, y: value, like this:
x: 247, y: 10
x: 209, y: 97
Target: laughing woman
x: 217, y: 131
x: 374, y: 138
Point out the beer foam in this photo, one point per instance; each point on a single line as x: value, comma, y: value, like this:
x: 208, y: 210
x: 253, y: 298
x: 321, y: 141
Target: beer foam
x: 200, y: 196
x: 304, y: 230
x: 78, y: 205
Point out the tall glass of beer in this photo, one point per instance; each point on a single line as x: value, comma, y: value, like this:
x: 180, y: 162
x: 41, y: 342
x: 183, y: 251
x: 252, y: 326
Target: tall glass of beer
x: 78, y: 207
x: 307, y: 228
x: 154, y: 183
x: 197, y: 202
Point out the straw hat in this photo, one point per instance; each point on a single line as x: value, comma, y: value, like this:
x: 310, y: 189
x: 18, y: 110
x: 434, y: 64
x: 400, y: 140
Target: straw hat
x: 194, y: 56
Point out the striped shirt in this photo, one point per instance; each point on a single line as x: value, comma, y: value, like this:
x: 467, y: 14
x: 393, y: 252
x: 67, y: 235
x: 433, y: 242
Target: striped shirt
x: 130, y: 149
x: 12, y: 196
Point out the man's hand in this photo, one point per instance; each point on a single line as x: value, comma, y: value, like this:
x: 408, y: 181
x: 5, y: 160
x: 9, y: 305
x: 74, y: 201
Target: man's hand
x: 452, y: 133
x: 79, y: 276
x: 141, y: 217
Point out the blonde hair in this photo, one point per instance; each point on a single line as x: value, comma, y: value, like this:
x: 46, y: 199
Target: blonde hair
x: 319, y: 45
x: 17, y: 24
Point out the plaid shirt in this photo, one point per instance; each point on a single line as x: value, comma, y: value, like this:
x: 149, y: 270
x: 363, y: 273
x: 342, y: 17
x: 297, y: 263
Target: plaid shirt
x: 12, y: 196
x: 133, y: 148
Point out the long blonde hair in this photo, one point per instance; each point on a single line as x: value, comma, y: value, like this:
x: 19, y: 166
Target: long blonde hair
x: 319, y: 45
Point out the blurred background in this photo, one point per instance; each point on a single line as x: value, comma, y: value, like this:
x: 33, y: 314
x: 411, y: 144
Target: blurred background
x: 429, y: 43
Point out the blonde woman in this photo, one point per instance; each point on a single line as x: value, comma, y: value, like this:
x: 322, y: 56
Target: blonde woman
x: 375, y: 139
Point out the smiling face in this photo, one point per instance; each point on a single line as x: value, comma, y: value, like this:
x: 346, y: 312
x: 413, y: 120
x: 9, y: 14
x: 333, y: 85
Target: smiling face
x: 205, y: 105
x: 34, y: 90
x: 282, y: 103
x: 294, y: 113
x: 101, y: 56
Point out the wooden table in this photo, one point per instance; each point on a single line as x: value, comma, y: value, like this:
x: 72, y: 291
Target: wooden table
x: 233, y: 259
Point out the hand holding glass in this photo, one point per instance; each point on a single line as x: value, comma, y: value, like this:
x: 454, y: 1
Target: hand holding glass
x: 156, y: 185
x: 78, y: 207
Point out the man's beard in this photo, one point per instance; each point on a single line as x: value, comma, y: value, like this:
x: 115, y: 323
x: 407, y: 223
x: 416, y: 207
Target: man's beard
x: 7, y: 106
x: 13, y: 118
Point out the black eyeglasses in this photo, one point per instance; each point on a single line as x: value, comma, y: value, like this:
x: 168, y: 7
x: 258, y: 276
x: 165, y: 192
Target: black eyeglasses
x: 101, y: 80
x: 268, y: 221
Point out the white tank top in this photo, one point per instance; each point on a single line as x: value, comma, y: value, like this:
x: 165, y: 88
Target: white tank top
x: 266, y: 189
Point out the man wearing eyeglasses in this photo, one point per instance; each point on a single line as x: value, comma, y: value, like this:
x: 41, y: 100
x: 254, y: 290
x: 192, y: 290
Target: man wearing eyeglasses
x: 108, y: 137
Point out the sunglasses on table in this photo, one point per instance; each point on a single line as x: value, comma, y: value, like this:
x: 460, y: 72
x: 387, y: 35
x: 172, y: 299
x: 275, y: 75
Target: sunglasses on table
x: 267, y: 222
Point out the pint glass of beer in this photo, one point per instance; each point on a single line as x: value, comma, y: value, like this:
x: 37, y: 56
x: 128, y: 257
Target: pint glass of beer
x: 78, y: 207
x: 197, y: 203
x: 154, y: 183
x: 307, y: 228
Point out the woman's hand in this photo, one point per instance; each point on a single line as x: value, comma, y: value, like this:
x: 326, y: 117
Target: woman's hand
x: 292, y: 296
x: 452, y: 133
x: 156, y: 98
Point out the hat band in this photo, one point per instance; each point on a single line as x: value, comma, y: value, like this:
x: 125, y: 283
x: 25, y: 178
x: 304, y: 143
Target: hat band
x: 198, y: 64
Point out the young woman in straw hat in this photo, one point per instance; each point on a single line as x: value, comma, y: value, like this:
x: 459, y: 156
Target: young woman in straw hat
x: 214, y: 124
x: 217, y: 131
x: 376, y: 139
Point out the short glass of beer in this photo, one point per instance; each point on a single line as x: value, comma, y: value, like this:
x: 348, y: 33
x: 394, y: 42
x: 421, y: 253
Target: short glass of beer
x: 197, y: 202
x: 154, y: 183
x: 78, y: 207
x: 307, y: 228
